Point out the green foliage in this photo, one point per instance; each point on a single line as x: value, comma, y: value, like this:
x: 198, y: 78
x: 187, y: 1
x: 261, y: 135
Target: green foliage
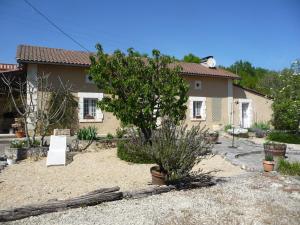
x: 256, y: 78
x: 120, y: 132
x: 69, y: 120
x: 284, y: 137
x: 191, y: 58
x: 87, y: 133
x: 269, y: 158
x: 139, y: 89
x: 227, y: 127
x: 176, y: 150
x: 23, y: 143
x: 261, y: 125
x: 109, y: 136
x: 289, y: 168
x: 130, y: 151
x: 286, y: 105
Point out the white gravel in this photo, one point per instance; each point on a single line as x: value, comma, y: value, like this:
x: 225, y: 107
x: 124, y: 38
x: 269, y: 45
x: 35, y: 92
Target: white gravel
x: 251, y: 198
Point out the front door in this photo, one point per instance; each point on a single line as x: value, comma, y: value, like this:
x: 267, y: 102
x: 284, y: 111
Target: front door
x: 245, y: 115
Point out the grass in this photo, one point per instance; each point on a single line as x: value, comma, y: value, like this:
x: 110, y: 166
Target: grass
x: 130, y: 155
x: 289, y: 168
x: 284, y: 137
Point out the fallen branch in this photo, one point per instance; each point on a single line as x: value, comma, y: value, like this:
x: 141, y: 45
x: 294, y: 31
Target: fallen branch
x: 148, y: 191
x: 92, y: 198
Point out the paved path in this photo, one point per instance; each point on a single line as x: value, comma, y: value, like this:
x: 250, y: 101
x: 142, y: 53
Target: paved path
x: 247, y: 154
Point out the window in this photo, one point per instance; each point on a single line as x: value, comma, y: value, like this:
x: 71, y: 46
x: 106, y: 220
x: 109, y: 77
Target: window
x: 197, y: 109
x: 198, y: 84
x: 88, y: 111
x: 89, y: 108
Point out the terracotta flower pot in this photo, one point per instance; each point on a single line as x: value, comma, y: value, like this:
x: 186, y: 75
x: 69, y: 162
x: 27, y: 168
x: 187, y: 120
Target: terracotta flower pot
x: 158, y: 177
x: 268, y: 166
x: 20, y: 134
x: 275, y: 149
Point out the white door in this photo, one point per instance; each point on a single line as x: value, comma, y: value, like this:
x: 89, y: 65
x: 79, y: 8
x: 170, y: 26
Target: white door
x: 245, y: 115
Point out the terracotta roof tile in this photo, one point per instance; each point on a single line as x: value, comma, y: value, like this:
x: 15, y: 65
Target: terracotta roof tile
x: 35, y: 54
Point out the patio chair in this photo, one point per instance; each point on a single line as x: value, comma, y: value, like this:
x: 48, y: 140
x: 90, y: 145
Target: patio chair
x: 57, y: 151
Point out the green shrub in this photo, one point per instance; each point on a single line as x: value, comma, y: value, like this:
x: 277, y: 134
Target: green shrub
x: 120, y: 132
x: 289, y: 168
x: 262, y: 126
x: 23, y: 143
x: 284, y: 137
x: 227, y: 127
x: 269, y: 158
x: 109, y: 136
x: 129, y: 152
x: 176, y: 150
x: 87, y: 133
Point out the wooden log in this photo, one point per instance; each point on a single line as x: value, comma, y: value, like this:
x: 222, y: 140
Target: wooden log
x: 148, y: 191
x: 92, y: 198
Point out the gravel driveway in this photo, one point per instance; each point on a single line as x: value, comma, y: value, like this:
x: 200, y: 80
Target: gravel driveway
x: 251, y: 198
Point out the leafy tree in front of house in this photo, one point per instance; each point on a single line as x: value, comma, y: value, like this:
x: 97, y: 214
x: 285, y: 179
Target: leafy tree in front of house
x: 191, y: 58
x: 139, y: 89
x: 286, y: 105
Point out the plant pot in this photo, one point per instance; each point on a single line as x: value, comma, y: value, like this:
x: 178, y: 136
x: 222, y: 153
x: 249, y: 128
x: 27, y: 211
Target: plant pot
x: 275, y: 149
x: 11, y: 161
x: 20, y: 134
x: 158, y: 177
x: 212, y: 138
x: 268, y: 165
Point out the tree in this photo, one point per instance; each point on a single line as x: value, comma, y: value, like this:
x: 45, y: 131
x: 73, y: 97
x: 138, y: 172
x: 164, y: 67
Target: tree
x: 191, y: 58
x: 286, y: 105
x: 140, y: 90
x: 37, y: 108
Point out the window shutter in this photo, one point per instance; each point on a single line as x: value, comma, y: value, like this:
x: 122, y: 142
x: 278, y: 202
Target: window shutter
x: 203, y: 109
x: 191, y: 109
x: 80, y: 111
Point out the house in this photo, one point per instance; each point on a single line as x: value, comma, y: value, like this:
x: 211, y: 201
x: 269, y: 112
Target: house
x: 213, y: 98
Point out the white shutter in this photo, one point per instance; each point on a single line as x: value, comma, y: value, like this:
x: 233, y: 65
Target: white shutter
x: 203, y: 109
x: 80, y: 106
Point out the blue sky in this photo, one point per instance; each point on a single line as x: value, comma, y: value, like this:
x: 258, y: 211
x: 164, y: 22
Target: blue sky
x: 265, y: 32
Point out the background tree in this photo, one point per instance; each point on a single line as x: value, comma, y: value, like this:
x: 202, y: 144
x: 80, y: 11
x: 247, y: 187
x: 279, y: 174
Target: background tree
x: 140, y: 89
x: 191, y: 58
x: 286, y: 105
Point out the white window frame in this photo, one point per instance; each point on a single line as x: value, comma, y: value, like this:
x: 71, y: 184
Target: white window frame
x: 193, y: 99
x: 200, y: 84
x: 88, y: 95
x: 87, y: 80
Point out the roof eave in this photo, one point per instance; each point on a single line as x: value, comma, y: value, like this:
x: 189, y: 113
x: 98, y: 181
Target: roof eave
x: 51, y: 63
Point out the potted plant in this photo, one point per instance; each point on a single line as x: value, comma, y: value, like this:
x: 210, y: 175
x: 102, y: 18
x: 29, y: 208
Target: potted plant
x: 175, y: 150
x: 19, y: 126
x: 212, y: 137
x: 268, y: 163
x: 274, y: 149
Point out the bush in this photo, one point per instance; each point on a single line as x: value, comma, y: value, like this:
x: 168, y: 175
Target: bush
x: 176, y: 150
x: 23, y: 143
x: 109, y: 136
x: 284, y: 137
x: 130, y: 152
x: 261, y: 126
x: 289, y: 168
x: 120, y: 133
x: 87, y: 133
x: 227, y: 127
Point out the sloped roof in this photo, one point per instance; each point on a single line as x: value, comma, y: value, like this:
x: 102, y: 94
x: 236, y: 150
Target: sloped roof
x: 44, y: 55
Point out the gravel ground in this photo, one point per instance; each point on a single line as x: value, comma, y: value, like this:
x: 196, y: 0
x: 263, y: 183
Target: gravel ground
x: 32, y: 182
x: 251, y: 198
